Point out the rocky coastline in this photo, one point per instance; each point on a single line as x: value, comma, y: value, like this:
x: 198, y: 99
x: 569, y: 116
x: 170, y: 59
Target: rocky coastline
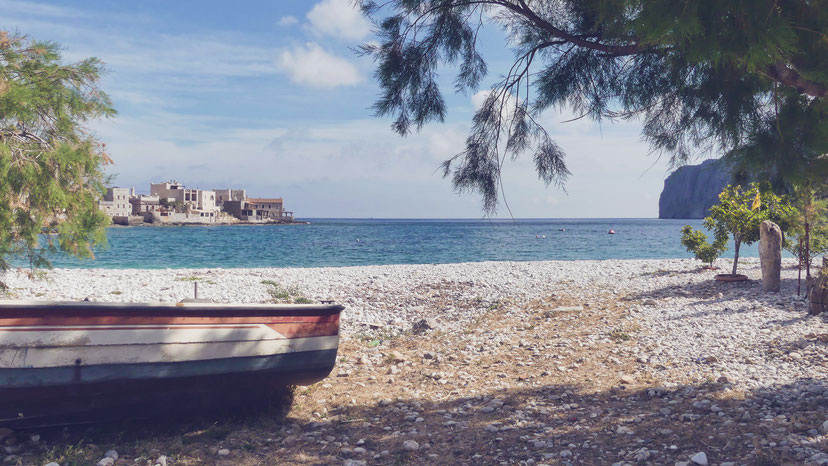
x: 691, y: 190
x: 216, y: 224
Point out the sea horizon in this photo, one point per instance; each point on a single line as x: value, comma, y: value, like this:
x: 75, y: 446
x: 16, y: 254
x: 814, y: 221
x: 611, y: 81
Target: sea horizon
x: 486, y: 219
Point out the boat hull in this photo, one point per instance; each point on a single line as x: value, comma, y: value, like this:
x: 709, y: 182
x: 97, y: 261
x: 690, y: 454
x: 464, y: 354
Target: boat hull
x: 71, y: 362
x: 221, y: 384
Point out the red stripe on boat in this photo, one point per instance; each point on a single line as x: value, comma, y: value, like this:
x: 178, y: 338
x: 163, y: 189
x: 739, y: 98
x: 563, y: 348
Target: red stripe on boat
x: 148, y: 327
x: 288, y: 329
x: 322, y: 329
x: 164, y: 320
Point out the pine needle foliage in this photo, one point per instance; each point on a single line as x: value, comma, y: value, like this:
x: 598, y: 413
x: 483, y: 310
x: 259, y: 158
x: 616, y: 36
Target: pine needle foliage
x: 747, y: 79
x: 51, y: 166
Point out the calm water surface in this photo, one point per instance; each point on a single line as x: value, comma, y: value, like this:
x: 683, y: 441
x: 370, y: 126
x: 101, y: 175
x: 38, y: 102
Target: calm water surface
x: 344, y: 242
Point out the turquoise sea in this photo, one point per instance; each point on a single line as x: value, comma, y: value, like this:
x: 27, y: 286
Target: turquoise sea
x: 344, y: 242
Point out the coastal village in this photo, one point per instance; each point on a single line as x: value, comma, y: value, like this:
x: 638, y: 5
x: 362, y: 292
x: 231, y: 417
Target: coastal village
x: 172, y: 203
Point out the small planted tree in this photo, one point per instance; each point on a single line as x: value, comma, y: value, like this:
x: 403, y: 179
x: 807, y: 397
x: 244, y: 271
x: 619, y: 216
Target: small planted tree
x: 739, y: 213
x: 808, y: 220
x: 696, y: 242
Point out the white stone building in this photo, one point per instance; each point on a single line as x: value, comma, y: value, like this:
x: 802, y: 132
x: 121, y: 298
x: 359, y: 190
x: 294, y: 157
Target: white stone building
x: 196, y: 205
x: 116, y: 202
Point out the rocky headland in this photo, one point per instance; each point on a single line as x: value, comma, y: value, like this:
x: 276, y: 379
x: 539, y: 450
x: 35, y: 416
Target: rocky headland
x: 691, y: 190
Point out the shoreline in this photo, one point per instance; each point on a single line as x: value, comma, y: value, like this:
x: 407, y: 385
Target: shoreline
x: 723, y: 264
x: 195, y: 224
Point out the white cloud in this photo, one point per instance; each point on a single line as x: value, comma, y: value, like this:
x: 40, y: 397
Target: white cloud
x: 38, y: 9
x: 338, y: 18
x: 196, y: 56
x: 558, y: 120
x: 360, y: 168
x: 508, y: 109
x: 479, y: 98
x: 313, y: 66
x: 287, y: 21
x: 328, y: 170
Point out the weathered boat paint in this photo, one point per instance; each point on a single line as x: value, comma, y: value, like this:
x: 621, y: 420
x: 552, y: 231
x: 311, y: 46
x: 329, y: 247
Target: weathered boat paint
x: 61, y: 361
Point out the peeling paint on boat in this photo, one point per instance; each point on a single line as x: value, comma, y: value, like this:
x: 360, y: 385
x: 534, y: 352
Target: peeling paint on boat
x: 76, y: 354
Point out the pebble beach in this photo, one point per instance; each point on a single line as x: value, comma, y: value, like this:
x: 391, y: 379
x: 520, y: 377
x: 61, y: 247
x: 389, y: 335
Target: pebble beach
x: 685, y: 317
x: 661, y: 327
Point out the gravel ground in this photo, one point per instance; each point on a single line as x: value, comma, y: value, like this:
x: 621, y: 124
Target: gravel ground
x: 582, y: 362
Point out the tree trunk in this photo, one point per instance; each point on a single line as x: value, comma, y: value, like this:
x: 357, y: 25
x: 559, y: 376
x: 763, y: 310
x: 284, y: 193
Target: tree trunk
x: 807, y: 251
x: 737, y: 243
x: 799, y: 268
x: 770, y: 255
x: 818, y: 290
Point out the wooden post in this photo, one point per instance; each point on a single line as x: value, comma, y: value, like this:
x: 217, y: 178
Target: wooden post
x: 817, y: 289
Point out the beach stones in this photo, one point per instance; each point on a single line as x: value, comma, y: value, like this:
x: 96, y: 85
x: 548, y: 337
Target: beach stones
x: 817, y: 292
x: 770, y: 255
x: 700, y: 458
x: 424, y: 325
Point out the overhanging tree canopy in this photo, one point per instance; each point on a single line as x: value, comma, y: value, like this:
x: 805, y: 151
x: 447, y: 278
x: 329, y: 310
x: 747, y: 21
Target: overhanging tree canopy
x: 50, y: 166
x: 743, y: 78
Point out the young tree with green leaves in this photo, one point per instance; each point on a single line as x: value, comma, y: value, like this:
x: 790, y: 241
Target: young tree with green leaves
x: 740, y: 212
x: 808, y: 221
x: 696, y: 242
x: 745, y: 79
x: 51, y: 167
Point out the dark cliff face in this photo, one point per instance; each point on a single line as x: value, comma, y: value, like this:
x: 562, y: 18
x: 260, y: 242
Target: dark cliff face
x: 690, y: 191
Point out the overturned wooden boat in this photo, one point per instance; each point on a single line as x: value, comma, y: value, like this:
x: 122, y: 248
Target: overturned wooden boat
x: 65, y: 362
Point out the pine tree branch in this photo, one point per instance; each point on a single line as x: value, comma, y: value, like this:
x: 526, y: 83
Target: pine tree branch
x: 781, y: 73
x: 613, y: 50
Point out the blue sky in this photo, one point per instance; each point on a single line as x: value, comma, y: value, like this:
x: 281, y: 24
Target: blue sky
x: 269, y: 96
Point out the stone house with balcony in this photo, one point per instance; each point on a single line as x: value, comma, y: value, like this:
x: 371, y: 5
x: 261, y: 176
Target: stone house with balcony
x: 185, y: 205
x: 115, y: 202
x: 257, y: 209
x: 223, y: 195
x: 142, y: 204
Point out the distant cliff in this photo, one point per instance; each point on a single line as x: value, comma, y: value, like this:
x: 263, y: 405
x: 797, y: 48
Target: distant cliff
x: 690, y: 191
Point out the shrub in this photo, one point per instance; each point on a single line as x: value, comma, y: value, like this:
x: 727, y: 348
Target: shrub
x: 696, y: 242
